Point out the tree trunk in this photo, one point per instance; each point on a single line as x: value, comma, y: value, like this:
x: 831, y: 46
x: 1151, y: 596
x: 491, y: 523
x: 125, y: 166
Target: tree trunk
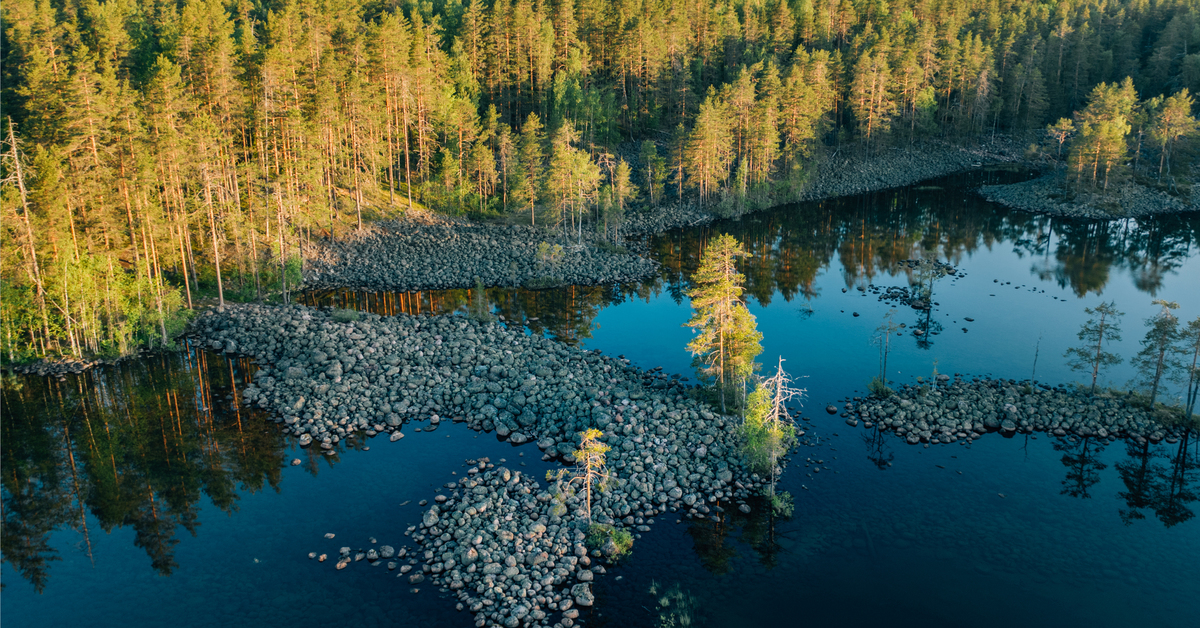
x: 212, y: 226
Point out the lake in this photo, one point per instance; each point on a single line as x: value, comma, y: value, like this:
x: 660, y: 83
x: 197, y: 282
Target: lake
x: 141, y: 494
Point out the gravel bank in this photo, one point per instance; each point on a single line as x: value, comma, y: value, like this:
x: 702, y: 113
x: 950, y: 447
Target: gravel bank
x: 1044, y: 195
x: 958, y: 410
x: 443, y: 254
x: 897, y: 167
x: 499, y: 534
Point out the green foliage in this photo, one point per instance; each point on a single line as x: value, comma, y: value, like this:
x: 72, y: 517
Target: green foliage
x: 479, y: 309
x: 767, y: 431
x: 1099, y: 148
x: 878, y: 388
x: 782, y: 504
x: 727, y: 338
x: 192, y: 164
x: 765, y: 437
x: 549, y: 255
x: 675, y: 607
x: 1103, y: 327
x: 590, y: 468
x: 344, y: 316
x: 599, y: 534
x: 1171, y: 122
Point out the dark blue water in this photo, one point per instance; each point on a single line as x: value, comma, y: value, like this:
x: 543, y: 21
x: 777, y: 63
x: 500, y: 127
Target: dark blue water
x: 204, y: 522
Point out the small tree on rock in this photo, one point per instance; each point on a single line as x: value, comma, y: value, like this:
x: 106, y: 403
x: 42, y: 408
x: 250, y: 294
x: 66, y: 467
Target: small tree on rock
x: 767, y: 430
x: 1104, y: 326
x: 590, y: 468
x: 1189, y: 376
x: 889, y: 327
x: 1157, y: 357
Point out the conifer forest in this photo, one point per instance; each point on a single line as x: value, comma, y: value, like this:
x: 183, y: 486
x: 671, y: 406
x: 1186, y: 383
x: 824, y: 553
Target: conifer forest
x: 162, y: 154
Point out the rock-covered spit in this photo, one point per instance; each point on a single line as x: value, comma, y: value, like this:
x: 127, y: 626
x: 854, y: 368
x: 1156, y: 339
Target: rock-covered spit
x: 509, y: 545
x: 957, y: 410
x: 443, y: 254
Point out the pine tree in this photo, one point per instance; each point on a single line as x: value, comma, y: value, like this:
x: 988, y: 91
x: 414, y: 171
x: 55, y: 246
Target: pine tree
x: 1158, y: 357
x: 767, y: 431
x: 590, y: 467
x: 1103, y: 125
x: 1189, y: 348
x: 530, y: 156
x: 1172, y: 122
x: 727, y: 340
x: 1060, y: 132
x: 1091, y: 355
x: 709, y: 153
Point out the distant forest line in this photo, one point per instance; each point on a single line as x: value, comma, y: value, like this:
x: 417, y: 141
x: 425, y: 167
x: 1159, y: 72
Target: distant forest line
x: 160, y: 153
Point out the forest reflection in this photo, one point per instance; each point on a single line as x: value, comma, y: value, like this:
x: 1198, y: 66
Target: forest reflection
x: 1158, y: 479
x: 137, y: 445
x: 874, y: 234
x: 141, y: 444
x: 868, y: 235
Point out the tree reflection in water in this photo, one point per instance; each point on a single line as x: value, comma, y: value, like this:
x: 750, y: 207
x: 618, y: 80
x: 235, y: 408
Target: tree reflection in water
x: 868, y: 235
x: 759, y: 529
x: 878, y: 451
x: 131, y: 445
x: 1165, y: 489
x: 138, y: 444
x: 1081, y: 458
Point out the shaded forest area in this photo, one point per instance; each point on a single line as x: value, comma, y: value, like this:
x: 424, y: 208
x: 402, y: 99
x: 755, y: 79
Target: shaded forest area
x: 157, y: 154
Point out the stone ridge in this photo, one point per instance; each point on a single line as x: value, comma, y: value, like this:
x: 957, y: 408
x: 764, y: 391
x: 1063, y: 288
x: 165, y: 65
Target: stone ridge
x: 442, y: 255
x: 949, y: 412
x: 326, y: 380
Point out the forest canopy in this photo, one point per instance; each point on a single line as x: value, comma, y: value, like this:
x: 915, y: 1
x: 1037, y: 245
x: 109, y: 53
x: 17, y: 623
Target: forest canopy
x: 161, y: 152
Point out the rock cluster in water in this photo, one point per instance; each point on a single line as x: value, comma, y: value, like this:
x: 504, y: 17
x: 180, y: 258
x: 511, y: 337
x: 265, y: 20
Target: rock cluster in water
x: 513, y: 552
x: 442, y: 254
x: 326, y: 380
x: 1045, y: 195
x: 950, y: 411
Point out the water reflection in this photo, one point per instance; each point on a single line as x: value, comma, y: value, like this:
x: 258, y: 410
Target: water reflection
x: 1165, y: 489
x: 868, y: 236
x: 135, y: 445
x: 874, y: 234
x: 140, y: 445
x: 879, y: 452
x: 1160, y: 478
x: 565, y: 314
x: 1081, y: 457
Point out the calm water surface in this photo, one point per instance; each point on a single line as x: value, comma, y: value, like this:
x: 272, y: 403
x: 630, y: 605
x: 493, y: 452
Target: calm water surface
x: 141, y: 495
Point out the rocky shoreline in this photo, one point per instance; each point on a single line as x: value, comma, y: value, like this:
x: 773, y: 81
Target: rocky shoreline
x: 836, y: 176
x: 949, y: 411
x: 896, y: 167
x: 1045, y: 195
x: 443, y: 254
x: 71, y: 366
x: 511, y: 547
